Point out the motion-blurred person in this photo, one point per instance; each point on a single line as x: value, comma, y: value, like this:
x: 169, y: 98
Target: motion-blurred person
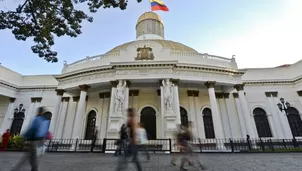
x: 186, y: 144
x: 177, y: 136
x: 5, y: 139
x: 35, y: 134
x: 122, y: 142
x: 142, y: 139
x: 132, y: 126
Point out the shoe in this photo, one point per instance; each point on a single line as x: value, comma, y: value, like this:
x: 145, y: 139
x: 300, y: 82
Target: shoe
x: 183, y: 169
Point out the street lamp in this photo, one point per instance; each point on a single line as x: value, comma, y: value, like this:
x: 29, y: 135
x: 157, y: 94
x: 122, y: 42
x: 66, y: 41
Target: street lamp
x: 283, y: 106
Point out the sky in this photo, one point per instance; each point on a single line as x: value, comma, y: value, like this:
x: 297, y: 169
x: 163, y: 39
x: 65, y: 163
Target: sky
x: 261, y: 33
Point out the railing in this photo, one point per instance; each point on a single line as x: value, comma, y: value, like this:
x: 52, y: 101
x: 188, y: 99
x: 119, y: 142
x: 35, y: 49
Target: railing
x: 169, y: 145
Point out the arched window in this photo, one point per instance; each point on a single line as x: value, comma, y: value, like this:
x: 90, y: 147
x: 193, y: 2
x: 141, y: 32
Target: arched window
x: 183, y: 116
x: 261, y: 122
x: 208, y: 123
x: 90, y: 125
x: 295, y: 122
x: 148, y: 118
x: 18, y: 120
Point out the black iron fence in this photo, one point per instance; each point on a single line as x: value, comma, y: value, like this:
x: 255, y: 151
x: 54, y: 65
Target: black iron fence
x: 170, y: 145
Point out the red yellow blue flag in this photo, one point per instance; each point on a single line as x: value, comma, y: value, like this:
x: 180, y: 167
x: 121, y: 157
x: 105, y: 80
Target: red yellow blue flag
x: 158, y: 5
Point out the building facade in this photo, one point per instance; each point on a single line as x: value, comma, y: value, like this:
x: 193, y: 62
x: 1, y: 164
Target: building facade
x: 167, y: 82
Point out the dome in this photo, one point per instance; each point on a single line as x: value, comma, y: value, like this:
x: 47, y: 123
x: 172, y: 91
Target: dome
x: 149, y: 15
x: 165, y: 43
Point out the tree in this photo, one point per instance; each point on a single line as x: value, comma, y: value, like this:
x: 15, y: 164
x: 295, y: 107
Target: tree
x: 42, y: 20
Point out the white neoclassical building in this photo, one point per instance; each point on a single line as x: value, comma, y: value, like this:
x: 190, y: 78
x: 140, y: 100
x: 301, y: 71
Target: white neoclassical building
x: 167, y: 82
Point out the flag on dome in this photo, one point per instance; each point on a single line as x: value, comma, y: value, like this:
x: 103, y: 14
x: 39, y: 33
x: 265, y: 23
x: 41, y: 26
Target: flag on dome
x: 158, y: 5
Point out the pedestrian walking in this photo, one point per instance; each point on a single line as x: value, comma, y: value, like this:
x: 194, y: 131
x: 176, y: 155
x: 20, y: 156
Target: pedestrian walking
x: 35, y: 135
x: 132, y: 126
x: 143, y: 140
x: 5, y: 140
x: 122, y: 142
x: 177, y: 145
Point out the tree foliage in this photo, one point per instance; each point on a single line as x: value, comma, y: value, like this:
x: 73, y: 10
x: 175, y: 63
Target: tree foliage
x: 42, y: 20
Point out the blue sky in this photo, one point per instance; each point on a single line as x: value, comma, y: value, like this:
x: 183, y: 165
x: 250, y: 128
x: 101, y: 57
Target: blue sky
x: 261, y: 33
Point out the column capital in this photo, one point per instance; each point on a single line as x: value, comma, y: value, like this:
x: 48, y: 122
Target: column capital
x: 175, y: 81
x: 36, y: 99
x: 210, y: 84
x: 104, y: 95
x: 84, y: 87
x: 60, y: 92
x: 299, y: 93
x: 239, y: 87
x: 271, y: 94
x: 65, y: 99
x: 219, y: 95
x: 133, y: 92
x: 12, y: 100
x: 226, y: 95
x: 76, y: 98
x: 235, y: 95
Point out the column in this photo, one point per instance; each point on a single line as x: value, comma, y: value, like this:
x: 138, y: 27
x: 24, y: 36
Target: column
x: 192, y: 113
x: 30, y: 114
x: 104, y: 102
x: 235, y: 124
x: 284, y: 121
x: 176, y: 100
x: 245, y: 109
x: 54, y: 118
x: 118, y: 104
x: 78, y: 123
x: 215, y: 111
x: 62, y: 118
x: 240, y: 115
x: 224, y: 115
x: 8, y: 115
x: 69, y: 124
x: 274, y: 119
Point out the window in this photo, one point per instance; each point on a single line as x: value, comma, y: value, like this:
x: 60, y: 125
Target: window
x: 90, y: 126
x: 295, y: 122
x: 208, y: 123
x: 183, y: 117
x: 261, y: 122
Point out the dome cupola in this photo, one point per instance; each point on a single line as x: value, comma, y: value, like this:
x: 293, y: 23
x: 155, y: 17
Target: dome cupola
x: 149, y: 26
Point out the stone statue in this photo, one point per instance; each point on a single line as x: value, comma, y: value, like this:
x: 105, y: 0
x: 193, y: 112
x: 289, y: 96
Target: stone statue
x: 168, y: 94
x: 120, y: 95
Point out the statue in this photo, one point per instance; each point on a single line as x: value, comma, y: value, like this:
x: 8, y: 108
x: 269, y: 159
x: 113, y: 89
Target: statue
x: 168, y: 94
x: 120, y: 95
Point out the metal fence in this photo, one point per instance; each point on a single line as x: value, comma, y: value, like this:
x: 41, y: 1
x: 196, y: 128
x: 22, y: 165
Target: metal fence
x: 169, y: 145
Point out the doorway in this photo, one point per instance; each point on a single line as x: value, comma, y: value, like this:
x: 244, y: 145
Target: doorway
x: 148, y: 118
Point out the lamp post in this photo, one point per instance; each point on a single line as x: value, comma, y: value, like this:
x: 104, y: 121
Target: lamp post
x: 284, y: 106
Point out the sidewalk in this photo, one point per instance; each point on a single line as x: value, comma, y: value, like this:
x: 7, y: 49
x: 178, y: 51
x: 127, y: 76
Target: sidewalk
x: 160, y: 162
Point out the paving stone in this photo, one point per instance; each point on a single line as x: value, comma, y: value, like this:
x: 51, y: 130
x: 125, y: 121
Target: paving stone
x: 160, y: 162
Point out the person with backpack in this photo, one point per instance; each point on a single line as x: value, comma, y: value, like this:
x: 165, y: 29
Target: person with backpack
x: 35, y: 135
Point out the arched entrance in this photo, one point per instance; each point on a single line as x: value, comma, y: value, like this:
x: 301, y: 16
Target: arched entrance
x: 148, y: 118
x: 294, y: 121
x: 261, y: 122
x: 90, y: 125
x: 184, y: 117
x: 208, y: 123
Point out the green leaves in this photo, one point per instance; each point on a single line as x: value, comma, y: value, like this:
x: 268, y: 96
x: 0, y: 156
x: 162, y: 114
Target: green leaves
x: 44, y: 19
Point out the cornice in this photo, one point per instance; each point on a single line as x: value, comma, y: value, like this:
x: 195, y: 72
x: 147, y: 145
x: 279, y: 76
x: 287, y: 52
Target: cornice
x: 21, y: 88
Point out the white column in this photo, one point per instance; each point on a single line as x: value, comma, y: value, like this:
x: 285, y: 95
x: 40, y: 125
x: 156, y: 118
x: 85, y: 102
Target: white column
x: 240, y: 115
x: 215, y: 111
x: 176, y: 101
x: 31, y: 113
x: 246, y: 112
x: 61, y: 121
x: 300, y: 95
x: 8, y: 115
x: 284, y: 121
x: 54, y: 118
x: 235, y: 124
x: 68, y: 126
x: 274, y: 119
x: 224, y: 116
x: 192, y: 113
x: 78, y: 123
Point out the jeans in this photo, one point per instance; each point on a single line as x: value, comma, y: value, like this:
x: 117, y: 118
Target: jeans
x: 31, y: 155
x: 122, y: 146
x: 123, y: 160
x: 144, y: 148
